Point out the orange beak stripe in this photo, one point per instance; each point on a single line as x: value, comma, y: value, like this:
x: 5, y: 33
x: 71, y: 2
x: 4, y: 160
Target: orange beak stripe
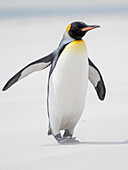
x: 86, y: 29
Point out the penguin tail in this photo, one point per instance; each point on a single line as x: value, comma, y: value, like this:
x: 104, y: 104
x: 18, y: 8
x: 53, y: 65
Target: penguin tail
x: 49, y: 132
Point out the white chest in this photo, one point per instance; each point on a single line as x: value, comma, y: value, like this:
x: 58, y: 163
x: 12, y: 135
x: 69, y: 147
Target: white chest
x: 68, y: 82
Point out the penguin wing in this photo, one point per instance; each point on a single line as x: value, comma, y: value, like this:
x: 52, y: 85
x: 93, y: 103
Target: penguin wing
x: 30, y: 68
x: 97, y: 80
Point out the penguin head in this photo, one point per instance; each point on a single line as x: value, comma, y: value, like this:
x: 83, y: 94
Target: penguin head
x: 77, y: 30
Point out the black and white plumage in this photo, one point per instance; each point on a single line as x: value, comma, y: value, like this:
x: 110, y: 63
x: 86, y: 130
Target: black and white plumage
x: 94, y: 74
x: 97, y: 80
x: 67, y: 82
x: 30, y: 68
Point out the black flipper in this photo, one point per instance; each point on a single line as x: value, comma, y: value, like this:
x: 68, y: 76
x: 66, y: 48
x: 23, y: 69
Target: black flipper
x: 30, y: 68
x: 97, y: 80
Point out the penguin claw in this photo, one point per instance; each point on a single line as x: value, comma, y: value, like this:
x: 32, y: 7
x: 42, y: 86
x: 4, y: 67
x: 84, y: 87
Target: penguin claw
x: 68, y: 141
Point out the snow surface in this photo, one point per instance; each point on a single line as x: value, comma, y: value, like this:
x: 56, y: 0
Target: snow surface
x: 103, y: 127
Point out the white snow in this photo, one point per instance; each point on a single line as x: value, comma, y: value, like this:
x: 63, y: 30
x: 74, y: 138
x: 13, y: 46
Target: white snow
x: 103, y: 127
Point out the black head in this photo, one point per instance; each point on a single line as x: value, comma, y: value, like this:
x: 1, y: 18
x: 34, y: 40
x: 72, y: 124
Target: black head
x: 77, y: 30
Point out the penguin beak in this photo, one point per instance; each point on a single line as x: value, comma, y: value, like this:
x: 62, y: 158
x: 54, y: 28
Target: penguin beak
x: 90, y: 27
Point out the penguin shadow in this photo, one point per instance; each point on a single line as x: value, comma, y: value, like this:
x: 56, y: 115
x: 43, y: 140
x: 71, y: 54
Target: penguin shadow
x: 91, y: 143
x: 104, y: 143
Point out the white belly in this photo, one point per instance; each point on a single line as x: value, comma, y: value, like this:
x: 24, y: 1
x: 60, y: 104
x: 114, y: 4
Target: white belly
x: 67, y: 88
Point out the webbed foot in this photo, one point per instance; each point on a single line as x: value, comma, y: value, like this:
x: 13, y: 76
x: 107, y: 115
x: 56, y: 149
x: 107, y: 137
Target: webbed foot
x: 68, y: 141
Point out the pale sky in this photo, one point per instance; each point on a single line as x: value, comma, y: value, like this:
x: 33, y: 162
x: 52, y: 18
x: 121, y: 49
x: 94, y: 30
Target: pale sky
x: 56, y: 3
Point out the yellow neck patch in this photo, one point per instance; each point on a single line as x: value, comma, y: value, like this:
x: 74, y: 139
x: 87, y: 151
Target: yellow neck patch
x: 68, y: 28
x: 77, y: 47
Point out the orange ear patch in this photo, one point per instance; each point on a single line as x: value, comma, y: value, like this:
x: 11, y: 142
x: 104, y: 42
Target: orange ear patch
x: 68, y: 28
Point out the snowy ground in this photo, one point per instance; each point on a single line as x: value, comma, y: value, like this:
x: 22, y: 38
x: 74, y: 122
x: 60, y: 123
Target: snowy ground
x: 103, y: 127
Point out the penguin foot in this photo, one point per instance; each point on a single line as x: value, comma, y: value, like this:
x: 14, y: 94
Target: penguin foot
x: 68, y: 141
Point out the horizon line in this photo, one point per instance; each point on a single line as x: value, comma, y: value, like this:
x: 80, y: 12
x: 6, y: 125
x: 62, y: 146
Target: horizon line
x: 40, y: 12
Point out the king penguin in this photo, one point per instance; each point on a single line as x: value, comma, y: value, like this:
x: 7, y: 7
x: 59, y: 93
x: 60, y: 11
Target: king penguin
x: 67, y: 82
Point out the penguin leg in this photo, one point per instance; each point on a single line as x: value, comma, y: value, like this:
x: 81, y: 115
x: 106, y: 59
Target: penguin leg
x: 58, y: 137
x: 67, y: 133
x: 67, y: 138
